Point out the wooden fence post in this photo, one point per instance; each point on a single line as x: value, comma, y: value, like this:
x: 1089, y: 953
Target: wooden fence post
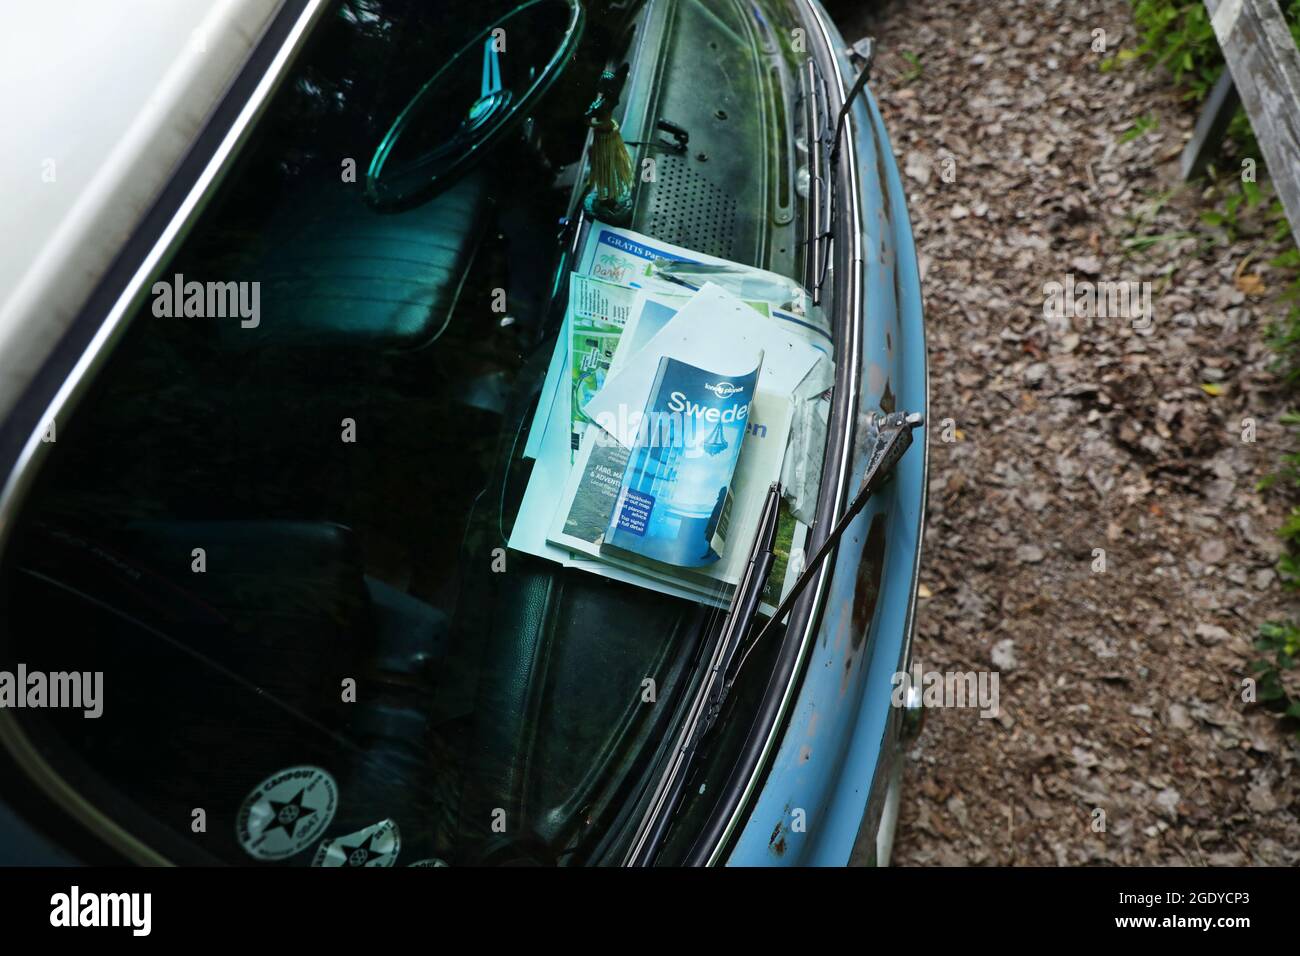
x: 1265, y: 65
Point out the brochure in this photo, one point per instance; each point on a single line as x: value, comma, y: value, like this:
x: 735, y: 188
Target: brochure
x: 598, y: 313
x: 623, y: 257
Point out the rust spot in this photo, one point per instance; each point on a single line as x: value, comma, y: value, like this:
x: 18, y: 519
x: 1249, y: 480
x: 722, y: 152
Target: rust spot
x: 842, y: 631
x: 887, y: 399
x: 867, y: 590
x: 882, y: 177
x: 777, y: 842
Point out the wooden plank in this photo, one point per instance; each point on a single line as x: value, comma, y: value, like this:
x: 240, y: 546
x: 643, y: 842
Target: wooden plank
x: 1265, y: 65
x: 1211, y: 125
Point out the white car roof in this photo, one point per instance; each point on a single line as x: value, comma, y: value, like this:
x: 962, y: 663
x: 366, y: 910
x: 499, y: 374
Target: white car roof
x: 102, y: 100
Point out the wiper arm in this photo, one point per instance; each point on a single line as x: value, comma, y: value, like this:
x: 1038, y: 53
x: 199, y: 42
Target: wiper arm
x: 855, y: 91
x: 893, y: 436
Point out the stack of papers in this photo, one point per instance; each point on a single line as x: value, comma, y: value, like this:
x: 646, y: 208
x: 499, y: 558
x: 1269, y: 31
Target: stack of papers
x: 666, y: 414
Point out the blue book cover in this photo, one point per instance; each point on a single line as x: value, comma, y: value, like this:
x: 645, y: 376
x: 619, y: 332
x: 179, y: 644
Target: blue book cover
x: 673, y: 505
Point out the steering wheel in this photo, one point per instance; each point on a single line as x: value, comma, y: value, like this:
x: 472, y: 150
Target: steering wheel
x: 453, y: 120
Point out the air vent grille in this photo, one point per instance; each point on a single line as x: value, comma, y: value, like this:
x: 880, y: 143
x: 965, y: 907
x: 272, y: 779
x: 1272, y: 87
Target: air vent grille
x: 688, y: 210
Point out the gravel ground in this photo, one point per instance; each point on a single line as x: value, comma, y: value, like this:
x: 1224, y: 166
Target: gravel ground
x: 1121, y: 689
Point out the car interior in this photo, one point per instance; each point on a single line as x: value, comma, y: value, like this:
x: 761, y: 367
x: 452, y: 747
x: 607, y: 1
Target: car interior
x: 238, y: 521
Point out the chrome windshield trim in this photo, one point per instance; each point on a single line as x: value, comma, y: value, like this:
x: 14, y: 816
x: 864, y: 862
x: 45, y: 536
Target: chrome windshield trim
x: 18, y: 482
x: 850, y: 357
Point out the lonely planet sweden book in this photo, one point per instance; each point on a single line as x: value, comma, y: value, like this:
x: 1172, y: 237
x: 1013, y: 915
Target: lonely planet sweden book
x: 674, y: 502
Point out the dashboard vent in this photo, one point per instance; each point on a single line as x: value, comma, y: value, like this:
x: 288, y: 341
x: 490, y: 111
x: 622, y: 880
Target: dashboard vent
x: 689, y: 210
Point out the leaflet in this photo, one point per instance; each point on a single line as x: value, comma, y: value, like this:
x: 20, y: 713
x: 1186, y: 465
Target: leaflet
x: 629, y: 258
x: 598, y: 312
x: 652, y: 311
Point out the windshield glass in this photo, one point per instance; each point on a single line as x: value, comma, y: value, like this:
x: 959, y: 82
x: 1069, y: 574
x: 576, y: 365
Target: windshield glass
x: 280, y: 522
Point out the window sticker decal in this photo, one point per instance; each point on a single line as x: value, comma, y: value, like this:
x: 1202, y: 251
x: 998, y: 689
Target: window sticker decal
x: 375, y: 845
x: 286, y: 812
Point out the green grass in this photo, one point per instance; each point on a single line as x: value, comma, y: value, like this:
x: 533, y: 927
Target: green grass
x: 1141, y: 126
x: 1177, y: 35
x: 916, y: 68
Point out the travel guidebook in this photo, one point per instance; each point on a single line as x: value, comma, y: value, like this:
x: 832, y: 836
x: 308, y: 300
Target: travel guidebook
x: 673, y: 505
x: 592, y: 490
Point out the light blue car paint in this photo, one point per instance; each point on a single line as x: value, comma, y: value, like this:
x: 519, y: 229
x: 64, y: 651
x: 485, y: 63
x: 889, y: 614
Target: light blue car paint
x: 811, y: 805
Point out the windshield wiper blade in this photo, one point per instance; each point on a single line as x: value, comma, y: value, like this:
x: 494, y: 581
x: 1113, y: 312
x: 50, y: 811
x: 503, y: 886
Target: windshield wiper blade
x: 819, y: 229
x: 825, y: 152
x: 744, y: 606
x: 714, y: 685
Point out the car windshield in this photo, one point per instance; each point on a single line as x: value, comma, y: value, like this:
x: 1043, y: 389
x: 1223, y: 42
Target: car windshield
x: 279, y: 521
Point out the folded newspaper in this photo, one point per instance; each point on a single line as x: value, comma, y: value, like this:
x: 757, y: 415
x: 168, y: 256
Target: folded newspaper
x: 666, y: 414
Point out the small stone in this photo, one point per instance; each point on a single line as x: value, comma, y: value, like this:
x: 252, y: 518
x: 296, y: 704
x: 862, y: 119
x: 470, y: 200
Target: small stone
x: 1177, y: 717
x: 917, y: 167
x: 1167, y: 800
x: 1004, y: 654
x: 1213, y: 551
x: 1029, y: 554
x: 1083, y: 758
x: 957, y: 807
x: 1210, y: 634
x: 1260, y: 798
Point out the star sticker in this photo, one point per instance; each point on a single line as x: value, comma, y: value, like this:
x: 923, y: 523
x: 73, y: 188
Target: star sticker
x: 361, y: 854
x: 289, y: 814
